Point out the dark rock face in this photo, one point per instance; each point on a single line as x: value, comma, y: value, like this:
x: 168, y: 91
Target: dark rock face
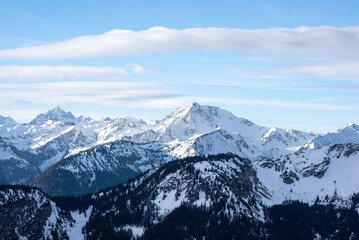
x: 289, y: 177
x: 346, y: 149
x: 317, y: 170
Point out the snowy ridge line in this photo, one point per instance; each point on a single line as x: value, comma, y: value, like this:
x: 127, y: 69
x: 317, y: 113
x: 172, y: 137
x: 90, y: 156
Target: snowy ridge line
x: 63, y: 154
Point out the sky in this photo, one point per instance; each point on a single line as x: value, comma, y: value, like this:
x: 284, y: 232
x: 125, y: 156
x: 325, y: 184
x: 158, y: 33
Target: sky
x: 289, y: 64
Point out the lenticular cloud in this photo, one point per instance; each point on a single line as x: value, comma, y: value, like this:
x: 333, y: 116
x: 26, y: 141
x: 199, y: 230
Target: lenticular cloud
x: 313, y: 41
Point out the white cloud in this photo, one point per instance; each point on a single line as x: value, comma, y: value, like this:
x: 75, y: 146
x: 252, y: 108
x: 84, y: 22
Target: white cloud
x: 314, y: 41
x: 17, y: 72
x: 113, y: 94
x: 337, y: 70
x: 137, y: 69
x: 133, y: 95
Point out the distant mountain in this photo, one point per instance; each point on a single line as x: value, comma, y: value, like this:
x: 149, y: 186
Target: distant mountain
x: 57, y: 134
x: 180, y: 129
x: 72, y: 156
x: 125, y: 147
x: 7, y: 121
x: 348, y: 134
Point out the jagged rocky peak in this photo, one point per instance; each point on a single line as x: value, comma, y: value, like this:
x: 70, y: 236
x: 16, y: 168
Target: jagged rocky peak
x: 56, y: 114
x: 348, y: 134
x: 353, y: 126
x: 201, y: 119
x: 122, y: 127
x: 84, y: 119
x: 107, y: 119
x: 7, y: 121
x: 272, y: 133
x: 286, y: 136
x: 129, y: 121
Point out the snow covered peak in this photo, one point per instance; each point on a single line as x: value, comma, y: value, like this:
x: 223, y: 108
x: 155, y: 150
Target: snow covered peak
x: 84, y: 119
x: 348, y: 134
x: 7, y: 121
x: 353, y: 126
x: 56, y: 114
x: 201, y: 119
x: 121, y: 127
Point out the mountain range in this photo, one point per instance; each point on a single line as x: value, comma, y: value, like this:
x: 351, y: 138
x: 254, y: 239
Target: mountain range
x: 214, y: 197
x: 65, y: 155
x: 199, y: 156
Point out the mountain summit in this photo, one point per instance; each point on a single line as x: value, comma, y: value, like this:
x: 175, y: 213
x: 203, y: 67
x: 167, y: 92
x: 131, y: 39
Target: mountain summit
x: 7, y: 121
x: 56, y: 114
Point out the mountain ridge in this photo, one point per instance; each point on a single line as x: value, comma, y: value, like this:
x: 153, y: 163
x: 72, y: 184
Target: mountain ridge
x: 93, y: 154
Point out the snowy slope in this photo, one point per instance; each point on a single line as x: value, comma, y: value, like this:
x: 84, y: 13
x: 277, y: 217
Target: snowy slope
x: 227, y: 181
x: 348, y: 134
x: 180, y: 129
x: 195, y: 131
x: 213, y: 143
x: 198, y: 181
x: 7, y: 121
x: 309, y: 173
x: 120, y: 128
x: 56, y: 134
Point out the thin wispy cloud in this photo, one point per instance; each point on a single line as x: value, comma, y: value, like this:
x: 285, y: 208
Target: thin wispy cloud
x: 314, y: 41
x: 102, y: 93
x: 47, y: 72
x: 132, y: 95
x: 335, y: 70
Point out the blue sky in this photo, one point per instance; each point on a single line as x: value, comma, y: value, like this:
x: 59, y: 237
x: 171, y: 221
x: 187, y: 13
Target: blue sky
x: 278, y: 63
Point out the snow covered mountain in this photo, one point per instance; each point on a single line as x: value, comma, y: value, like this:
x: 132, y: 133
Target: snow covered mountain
x: 182, y: 127
x: 348, y: 134
x: 69, y: 155
x: 55, y: 115
x: 309, y: 173
x: 7, y: 121
x: 215, y: 197
x: 223, y: 180
x: 57, y: 134
x: 125, y: 147
x: 201, y: 162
